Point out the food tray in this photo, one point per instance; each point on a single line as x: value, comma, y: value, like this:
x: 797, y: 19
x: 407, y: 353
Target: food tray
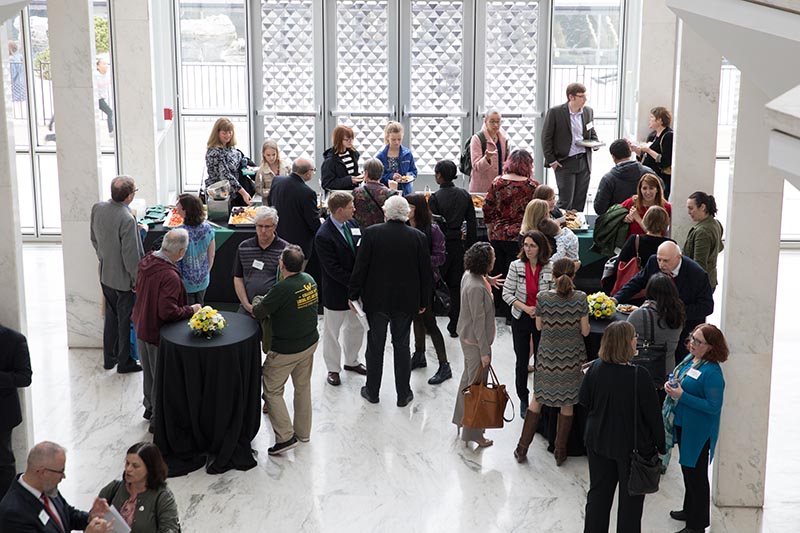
x: 242, y: 216
x: 173, y: 219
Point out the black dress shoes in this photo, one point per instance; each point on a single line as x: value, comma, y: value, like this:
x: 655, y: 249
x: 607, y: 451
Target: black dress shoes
x: 129, y: 368
x: 678, y: 515
x: 402, y: 402
x: 148, y: 414
x: 333, y: 379
x: 367, y: 396
x: 442, y: 374
x: 358, y: 369
x: 108, y: 365
x: 418, y: 360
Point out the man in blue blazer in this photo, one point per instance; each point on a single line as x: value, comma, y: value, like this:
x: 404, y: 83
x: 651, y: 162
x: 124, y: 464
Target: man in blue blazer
x: 690, y: 279
x: 33, y: 504
x: 336, y: 243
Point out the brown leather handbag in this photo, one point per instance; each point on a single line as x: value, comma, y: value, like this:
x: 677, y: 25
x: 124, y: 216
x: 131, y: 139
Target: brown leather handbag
x: 485, y: 402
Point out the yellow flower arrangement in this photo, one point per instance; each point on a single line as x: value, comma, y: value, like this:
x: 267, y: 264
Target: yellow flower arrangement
x: 207, y: 322
x: 600, y: 305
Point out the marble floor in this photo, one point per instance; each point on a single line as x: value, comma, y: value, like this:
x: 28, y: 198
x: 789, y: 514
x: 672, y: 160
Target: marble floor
x: 370, y: 467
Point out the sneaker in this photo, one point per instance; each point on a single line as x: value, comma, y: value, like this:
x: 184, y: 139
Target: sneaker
x: 418, y: 360
x: 281, y: 447
x: 441, y: 375
x: 302, y: 439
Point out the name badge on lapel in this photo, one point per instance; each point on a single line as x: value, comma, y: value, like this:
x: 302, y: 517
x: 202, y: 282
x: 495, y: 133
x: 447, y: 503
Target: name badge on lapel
x: 589, y: 126
x: 258, y: 265
x: 693, y: 373
x: 44, y: 517
x: 355, y: 231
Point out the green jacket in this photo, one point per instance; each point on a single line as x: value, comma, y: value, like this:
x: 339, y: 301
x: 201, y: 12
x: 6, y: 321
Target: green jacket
x: 703, y: 244
x: 291, y: 306
x: 156, y: 510
x: 610, y: 231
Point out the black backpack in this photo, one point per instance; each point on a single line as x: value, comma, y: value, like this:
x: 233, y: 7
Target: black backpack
x: 465, y: 163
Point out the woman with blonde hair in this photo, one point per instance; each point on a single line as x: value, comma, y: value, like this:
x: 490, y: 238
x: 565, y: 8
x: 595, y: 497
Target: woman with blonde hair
x: 535, y: 211
x: 223, y: 160
x: 398, y: 161
x: 562, y: 316
x: 272, y: 164
x: 548, y: 194
x: 340, y: 166
x: 649, y: 192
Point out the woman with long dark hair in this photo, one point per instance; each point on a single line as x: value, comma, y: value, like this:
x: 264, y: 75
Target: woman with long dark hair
x: 649, y: 192
x: 704, y: 241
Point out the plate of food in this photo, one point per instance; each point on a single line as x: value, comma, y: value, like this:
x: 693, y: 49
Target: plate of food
x: 626, y: 309
x: 173, y: 219
x: 408, y: 178
x: 575, y: 221
x: 242, y: 216
x: 477, y: 200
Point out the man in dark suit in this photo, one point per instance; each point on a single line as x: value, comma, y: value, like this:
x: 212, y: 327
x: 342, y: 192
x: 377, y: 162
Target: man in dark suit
x: 392, y: 277
x: 15, y: 372
x: 336, y: 244
x: 33, y: 504
x: 566, y: 125
x: 296, y: 202
x: 690, y: 279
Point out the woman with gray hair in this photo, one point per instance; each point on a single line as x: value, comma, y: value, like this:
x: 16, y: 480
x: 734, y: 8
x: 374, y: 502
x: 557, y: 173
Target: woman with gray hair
x: 370, y: 196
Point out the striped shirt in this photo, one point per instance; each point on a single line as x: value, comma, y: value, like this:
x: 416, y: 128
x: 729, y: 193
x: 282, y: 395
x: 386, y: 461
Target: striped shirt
x: 349, y: 163
x: 249, y: 257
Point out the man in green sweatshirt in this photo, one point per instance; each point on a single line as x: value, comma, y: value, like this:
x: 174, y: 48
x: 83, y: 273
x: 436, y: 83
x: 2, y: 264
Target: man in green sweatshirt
x: 291, y: 306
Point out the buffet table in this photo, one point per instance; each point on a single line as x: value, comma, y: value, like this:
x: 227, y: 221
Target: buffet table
x: 208, y: 396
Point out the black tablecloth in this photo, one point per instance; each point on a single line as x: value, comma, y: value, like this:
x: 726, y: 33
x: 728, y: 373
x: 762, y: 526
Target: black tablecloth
x: 208, y: 396
x: 220, y: 287
x: 549, y: 421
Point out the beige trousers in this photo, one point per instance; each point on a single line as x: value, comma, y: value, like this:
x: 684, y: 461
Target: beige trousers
x: 472, y: 365
x: 275, y: 373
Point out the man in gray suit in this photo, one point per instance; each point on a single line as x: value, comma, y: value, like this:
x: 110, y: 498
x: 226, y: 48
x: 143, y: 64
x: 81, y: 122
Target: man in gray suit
x: 565, y: 126
x: 116, y: 241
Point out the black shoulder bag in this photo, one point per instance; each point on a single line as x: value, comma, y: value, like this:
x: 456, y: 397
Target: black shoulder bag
x: 645, y: 473
x: 650, y: 354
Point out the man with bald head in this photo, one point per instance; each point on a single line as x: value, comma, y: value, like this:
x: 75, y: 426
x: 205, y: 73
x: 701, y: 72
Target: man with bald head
x: 296, y: 203
x: 690, y: 279
x: 34, y: 504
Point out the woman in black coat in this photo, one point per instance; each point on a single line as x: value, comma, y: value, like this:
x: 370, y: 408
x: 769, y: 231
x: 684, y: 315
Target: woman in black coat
x: 608, y: 392
x: 340, y: 166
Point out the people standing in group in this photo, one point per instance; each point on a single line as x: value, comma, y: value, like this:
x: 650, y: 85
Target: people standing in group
x: 272, y: 165
x: 565, y: 126
x: 528, y: 275
x: 455, y: 205
x: 160, y: 299
x: 296, y: 204
x: 419, y: 217
x: 648, y: 193
x: 336, y: 244
x: 621, y: 182
x: 195, y: 267
x: 223, y: 160
x: 704, y: 241
x: 102, y: 84
x: 476, y: 330
x: 115, y: 238
x: 692, y: 417
x: 392, y: 278
x: 398, y: 161
x: 15, y: 373
x: 614, y: 391
x: 657, y: 153
x: 503, y: 210
x: 562, y: 316
x: 291, y: 305
x: 142, y: 497
x: 488, y: 153
x: 370, y: 196
x: 340, y: 165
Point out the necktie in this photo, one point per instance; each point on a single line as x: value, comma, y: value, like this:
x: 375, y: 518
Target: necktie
x: 51, y: 511
x: 348, y: 237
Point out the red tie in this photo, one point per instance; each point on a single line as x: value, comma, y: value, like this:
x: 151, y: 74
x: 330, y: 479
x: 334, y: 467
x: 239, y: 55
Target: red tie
x: 51, y: 511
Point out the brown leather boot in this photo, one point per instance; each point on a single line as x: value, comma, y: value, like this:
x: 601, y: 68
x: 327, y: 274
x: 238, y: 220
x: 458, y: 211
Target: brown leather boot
x: 528, y: 431
x: 562, y: 436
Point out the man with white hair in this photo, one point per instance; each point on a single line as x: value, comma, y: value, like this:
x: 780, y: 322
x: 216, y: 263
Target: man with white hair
x: 33, y: 503
x: 392, y: 278
x: 255, y: 268
x: 160, y: 298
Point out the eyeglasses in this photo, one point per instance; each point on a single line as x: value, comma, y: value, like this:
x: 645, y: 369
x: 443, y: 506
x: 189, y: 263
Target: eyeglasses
x: 695, y: 340
x: 313, y: 169
x: 265, y: 226
x: 59, y: 472
x: 494, y: 121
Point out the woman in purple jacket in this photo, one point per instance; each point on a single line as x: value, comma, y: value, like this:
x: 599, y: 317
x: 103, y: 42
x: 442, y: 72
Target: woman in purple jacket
x: 420, y: 217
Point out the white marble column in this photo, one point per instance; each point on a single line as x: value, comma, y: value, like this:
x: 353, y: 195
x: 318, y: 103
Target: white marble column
x: 133, y: 73
x: 12, y: 286
x: 748, y: 316
x: 694, y: 152
x: 656, y: 61
x: 78, y: 157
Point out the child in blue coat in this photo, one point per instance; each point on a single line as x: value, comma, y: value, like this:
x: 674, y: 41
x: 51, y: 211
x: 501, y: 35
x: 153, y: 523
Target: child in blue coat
x: 398, y: 161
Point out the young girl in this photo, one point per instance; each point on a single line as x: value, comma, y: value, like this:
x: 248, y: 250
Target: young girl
x: 271, y: 165
x: 398, y: 161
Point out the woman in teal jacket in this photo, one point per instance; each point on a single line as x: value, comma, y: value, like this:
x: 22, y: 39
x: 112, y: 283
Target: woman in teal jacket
x: 691, y: 419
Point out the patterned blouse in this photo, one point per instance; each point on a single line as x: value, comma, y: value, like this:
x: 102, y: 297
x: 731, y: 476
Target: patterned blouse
x: 223, y: 164
x: 505, y: 205
x: 194, y: 265
x: 368, y: 199
x: 566, y: 245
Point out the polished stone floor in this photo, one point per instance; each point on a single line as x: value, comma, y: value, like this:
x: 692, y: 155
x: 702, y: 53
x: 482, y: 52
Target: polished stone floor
x: 371, y: 467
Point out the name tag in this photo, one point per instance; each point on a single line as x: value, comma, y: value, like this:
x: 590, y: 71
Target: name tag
x: 44, y: 517
x: 355, y: 231
x: 589, y: 126
x: 547, y: 276
x: 258, y: 265
x: 693, y: 373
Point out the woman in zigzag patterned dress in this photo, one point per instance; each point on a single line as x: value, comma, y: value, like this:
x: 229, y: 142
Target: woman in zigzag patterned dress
x: 562, y: 316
